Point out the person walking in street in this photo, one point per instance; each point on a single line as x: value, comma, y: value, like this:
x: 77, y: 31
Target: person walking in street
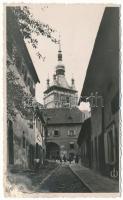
x: 70, y: 159
x: 77, y: 159
x: 37, y: 164
x: 64, y: 158
x: 60, y: 159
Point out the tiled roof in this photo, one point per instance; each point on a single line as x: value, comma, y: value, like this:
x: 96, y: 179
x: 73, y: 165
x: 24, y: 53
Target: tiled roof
x: 64, y: 116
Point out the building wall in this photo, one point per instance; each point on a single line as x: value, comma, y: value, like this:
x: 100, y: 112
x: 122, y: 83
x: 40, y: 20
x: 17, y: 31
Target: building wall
x: 103, y: 77
x: 85, y: 152
x: 21, y: 125
x: 111, y: 131
x: 64, y: 139
x: 21, y: 132
x: 39, y: 130
x: 15, y: 53
x: 23, y: 138
x: 84, y: 142
x: 96, y: 120
x: 103, y: 121
x: 21, y: 128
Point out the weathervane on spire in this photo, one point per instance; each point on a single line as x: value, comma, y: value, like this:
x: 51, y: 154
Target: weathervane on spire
x: 59, y: 42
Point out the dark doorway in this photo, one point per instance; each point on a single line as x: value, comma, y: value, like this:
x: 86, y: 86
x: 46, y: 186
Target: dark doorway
x: 10, y: 143
x: 52, y: 150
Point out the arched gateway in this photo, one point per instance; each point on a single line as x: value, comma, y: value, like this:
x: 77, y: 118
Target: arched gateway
x: 52, y: 150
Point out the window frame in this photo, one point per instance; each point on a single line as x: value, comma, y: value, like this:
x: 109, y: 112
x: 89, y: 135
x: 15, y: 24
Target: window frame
x: 54, y: 133
x: 73, y: 134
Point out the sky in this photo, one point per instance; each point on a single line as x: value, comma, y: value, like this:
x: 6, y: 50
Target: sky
x: 78, y: 25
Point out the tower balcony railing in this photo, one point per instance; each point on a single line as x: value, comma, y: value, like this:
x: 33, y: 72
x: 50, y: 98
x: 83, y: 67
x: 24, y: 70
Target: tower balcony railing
x: 60, y: 66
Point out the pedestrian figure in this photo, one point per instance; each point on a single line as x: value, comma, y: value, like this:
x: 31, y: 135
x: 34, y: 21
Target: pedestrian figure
x: 77, y: 158
x: 70, y: 159
x: 60, y: 159
x: 64, y: 158
x: 37, y: 163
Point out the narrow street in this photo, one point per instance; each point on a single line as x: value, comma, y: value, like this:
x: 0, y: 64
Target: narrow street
x: 63, y: 180
x: 62, y: 120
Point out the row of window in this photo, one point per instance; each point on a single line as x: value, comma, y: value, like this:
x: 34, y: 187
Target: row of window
x: 63, y: 98
x: 72, y: 145
x: 109, y: 145
x: 96, y: 145
x: 27, y: 79
x: 56, y: 133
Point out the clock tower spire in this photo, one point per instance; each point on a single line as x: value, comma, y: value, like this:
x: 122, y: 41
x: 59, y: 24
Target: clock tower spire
x: 59, y: 51
x: 60, y: 69
x: 60, y: 94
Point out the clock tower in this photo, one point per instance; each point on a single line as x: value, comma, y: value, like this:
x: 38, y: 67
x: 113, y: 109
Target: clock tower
x: 59, y: 93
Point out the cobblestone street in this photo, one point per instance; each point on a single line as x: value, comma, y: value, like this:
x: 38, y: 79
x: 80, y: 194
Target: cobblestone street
x: 63, y: 180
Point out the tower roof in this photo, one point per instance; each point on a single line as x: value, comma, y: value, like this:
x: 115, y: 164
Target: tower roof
x: 60, y: 69
x: 59, y: 51
x: 62, y: 82
x: 59, y: 78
